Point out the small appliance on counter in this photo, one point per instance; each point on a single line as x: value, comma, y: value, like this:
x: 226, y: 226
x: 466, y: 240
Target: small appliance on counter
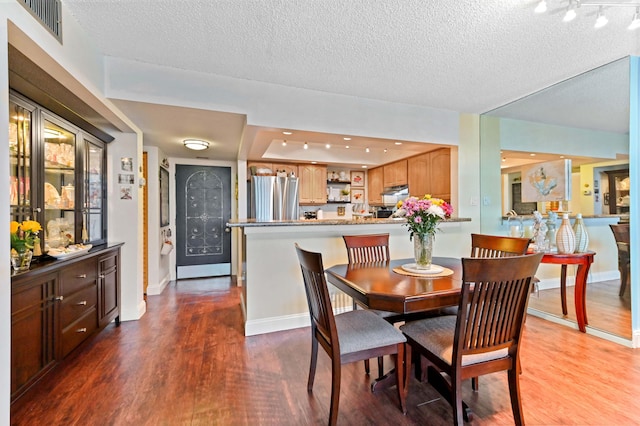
x: 384, y: 212
x: 310, y: 215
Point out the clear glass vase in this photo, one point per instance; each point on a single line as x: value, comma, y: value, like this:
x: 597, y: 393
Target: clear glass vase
x: 423, y: 250
x: 21, y: 261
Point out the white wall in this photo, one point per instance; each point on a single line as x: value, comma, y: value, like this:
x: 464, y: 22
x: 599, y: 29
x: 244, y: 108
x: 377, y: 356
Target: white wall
x: 159, y: 267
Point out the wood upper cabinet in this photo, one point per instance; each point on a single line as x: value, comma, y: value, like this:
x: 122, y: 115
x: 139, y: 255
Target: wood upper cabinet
x: 395, y: 173
x: 430, y: 173
x: 274, y: 167
x: 375, y: 185
x: 313, y: 184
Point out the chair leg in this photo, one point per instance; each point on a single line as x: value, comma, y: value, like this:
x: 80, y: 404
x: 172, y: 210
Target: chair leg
x: 474, y: 384
x: 456, y: 401
x: 366, y: 366
x: 335, y: 390
x: 514, y: 393
x: 312, y: 364
x: 624, y: 276
x: 380, y: 367
x: 401, y: 374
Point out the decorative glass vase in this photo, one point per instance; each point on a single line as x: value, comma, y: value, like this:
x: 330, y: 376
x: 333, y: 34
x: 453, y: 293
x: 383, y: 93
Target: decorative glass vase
x: 21, y: 261
x: 582, y: 238
x: 423, y: 250
x: 565, y: 237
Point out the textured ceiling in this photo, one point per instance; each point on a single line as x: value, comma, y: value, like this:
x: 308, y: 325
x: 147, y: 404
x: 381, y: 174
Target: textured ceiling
x: 466, y: 56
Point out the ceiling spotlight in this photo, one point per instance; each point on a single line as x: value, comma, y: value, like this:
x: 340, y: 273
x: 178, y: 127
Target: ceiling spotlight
x: 385, y: 150
x: 635, y: 22
x: 541, y: 7
x: 284, y: 142
x: 347, y: 139
x: 504, y: 159
x: 398, y: 143
x: 601, y: 20
x: 571, y: 12
x: 196, y: 144
x: 287, y: 133
x: 306, y: 146
x: 327, y: 146
x: 347, y: 146
x: 364, y: 167
x: 533, y: 154
x: 367, y: 149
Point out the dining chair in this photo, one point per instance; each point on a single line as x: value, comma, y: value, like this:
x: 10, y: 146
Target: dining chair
x: 621, y: 235
x: 348, y: 337
x: 366, y: 249
x: 484, y: 337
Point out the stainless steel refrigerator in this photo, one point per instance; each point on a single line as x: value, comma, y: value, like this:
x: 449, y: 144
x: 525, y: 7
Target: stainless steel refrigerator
x: 274, y: 198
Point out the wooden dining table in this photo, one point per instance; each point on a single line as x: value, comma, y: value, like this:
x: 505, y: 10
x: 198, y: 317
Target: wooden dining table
x: 376, y: 286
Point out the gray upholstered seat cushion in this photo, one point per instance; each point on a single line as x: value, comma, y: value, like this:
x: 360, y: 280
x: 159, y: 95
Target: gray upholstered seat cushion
x: 436, y: 335
x: 362, y: 330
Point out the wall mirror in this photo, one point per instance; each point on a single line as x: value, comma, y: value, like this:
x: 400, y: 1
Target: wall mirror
x: 584, y: 119
x: 164, y: 197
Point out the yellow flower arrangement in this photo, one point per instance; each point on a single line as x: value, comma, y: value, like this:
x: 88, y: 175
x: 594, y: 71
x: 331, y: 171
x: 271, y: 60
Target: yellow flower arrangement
x: 24, y: 234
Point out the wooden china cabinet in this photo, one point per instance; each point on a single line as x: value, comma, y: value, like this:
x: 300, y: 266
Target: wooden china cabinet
x: 58, y: 177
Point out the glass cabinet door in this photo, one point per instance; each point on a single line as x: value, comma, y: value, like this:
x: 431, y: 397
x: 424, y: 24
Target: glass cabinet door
x: 60, y: 152
x: 20, y: 158
x: 93, y: 226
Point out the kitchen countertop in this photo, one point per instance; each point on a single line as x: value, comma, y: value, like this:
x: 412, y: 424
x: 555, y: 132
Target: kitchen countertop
x: 316, y: 222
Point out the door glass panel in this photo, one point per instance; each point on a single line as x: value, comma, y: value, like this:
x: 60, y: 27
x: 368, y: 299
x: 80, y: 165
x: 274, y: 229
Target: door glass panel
x: 93, y: 229
x: 20, y: 161
x: 59, y: 185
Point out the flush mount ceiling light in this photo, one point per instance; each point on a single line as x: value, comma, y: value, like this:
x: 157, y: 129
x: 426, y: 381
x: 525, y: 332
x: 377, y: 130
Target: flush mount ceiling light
x: 196, y: 144
x: 601, y: 19
x: 287, y: 133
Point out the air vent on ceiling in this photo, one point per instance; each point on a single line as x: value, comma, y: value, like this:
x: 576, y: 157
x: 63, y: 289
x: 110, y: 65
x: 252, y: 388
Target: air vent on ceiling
x: 48, y: 13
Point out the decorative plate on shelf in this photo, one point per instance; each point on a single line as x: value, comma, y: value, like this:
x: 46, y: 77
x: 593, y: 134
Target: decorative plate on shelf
x: 411, y: 267
x: 70, y: 251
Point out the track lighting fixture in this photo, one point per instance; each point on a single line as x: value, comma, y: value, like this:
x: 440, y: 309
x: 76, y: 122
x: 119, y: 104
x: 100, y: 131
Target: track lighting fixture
x: 601, y: 20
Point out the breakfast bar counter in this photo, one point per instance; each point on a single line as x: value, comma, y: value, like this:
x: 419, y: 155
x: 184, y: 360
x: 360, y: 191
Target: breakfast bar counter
x: 274, y: 297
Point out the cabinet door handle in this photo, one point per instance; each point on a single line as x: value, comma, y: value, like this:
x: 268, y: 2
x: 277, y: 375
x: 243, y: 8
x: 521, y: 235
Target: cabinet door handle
x: 81, y: 330
x: 81, y: 276
x: 101, y: 276
x: 82, y: 303
x: 58, y: 298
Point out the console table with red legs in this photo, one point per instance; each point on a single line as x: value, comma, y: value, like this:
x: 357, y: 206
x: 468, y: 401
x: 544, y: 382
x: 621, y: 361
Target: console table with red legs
x: 584, y: 261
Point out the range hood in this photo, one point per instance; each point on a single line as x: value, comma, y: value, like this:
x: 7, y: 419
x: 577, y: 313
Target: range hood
x: 396, y: 190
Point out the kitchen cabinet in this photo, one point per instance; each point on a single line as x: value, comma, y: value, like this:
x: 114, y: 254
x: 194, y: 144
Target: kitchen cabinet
x: 56, y: 306
x: 375, y: 185
x: 57, y: 176
x: 313, y: 184
x: 430, y: 173
x: 395, y: 173
x: 272, y: 167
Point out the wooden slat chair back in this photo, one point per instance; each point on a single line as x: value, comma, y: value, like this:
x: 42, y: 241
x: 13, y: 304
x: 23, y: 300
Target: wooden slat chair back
x: 622, y: 237
x: 497, y: 246
x: 367, y: 248
x: 348, y: 337
x: 485, y: 335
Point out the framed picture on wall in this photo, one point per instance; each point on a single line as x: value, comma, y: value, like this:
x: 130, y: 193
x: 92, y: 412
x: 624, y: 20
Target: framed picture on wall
x: 357, y: 179
x: 357, y: 195
x: 164, y: 197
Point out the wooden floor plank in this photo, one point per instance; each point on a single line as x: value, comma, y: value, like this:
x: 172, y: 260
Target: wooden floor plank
x: 186, y: 362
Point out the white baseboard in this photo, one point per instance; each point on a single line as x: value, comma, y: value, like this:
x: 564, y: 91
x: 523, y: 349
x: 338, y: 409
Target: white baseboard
x: 549, y: 283
x: 273, y: 324
x: 158, y: 288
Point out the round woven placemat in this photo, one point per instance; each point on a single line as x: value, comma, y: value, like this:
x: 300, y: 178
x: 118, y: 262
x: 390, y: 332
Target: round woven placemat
x: 445, y: 273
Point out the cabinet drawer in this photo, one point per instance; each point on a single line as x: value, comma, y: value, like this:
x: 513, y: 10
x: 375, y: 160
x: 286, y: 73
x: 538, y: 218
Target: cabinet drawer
x: 76, y: 305
x: 77, y: 332
x: 77, y: 276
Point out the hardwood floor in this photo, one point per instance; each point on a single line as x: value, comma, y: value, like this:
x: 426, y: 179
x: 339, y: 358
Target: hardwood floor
x: 186, y: 362
x: 606, y: 310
